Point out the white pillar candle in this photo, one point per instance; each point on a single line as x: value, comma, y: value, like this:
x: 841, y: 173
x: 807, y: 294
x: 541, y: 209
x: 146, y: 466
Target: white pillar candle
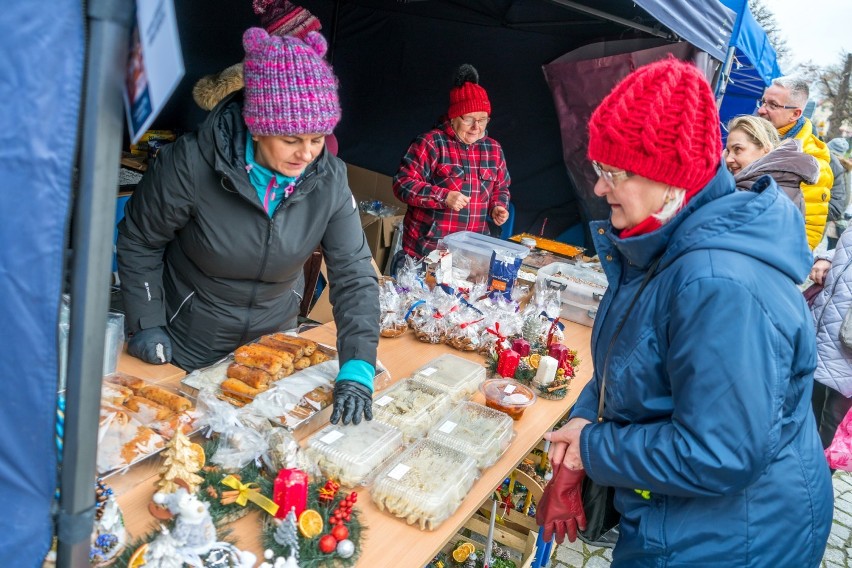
x: 546, y: 371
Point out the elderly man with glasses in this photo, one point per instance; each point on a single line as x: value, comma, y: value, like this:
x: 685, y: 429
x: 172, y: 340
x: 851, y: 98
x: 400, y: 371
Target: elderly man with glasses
x: 782, y: 105
x: 454, y: 176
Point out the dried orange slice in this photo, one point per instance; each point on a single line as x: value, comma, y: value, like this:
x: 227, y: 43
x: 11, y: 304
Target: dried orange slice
x: 535, y: 358
x: 138, y: 558
x: 310, y: 523
x: 461, y: 553
x: 469, y: 547
x: 198, y: 451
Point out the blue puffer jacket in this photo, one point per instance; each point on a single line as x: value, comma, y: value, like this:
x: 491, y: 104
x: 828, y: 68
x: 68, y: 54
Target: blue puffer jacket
x: 708, y: 395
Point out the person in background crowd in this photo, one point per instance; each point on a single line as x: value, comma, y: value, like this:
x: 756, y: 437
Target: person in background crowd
x: 753, y: 150
x: 214, y: 239
x: 705, y: 343
x: 839, y: 192
x: 454, y: 176
x: 782, y: 104
x: 833, y: 376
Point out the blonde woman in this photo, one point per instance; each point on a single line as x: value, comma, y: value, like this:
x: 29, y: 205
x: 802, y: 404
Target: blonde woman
x: 753, y: 150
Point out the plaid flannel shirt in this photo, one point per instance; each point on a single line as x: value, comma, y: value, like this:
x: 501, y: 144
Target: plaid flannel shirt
x: 437, y: 163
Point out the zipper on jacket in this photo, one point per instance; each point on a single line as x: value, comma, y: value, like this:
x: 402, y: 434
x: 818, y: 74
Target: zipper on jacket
x: 180, y: 307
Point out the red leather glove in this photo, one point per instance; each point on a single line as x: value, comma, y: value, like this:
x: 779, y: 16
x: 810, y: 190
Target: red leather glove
x: 560, y: 510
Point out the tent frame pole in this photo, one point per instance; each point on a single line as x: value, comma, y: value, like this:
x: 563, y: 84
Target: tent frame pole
x: 109, y: 24
x: 604, y: 16
x: 721, y: 82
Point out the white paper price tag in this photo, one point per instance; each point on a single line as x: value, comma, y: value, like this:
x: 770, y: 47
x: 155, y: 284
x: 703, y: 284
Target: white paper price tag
x: 397, y: 472
x: 447, y: 427
x: 384, y: 401
x: 331, y: 437
x: 428, y: 372
x: 509, y: 389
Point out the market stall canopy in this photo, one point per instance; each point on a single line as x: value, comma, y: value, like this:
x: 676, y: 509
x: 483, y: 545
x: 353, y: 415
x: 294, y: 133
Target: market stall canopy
x: 755, y: 63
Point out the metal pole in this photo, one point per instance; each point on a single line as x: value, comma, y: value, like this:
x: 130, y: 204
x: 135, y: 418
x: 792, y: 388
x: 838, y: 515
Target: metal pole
x: 721, y: 82
x: 612, y: 18
x: 109, y: 23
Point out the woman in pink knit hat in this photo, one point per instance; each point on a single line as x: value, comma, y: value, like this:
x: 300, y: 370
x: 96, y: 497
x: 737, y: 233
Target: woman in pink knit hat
x: 214, y: 239
x: 698, y: 414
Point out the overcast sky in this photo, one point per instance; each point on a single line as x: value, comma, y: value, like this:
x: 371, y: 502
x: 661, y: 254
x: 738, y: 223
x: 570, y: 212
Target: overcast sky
x: 819, y: 30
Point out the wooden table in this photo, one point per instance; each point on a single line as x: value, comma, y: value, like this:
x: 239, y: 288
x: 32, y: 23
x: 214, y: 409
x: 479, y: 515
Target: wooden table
x: 389, y: 540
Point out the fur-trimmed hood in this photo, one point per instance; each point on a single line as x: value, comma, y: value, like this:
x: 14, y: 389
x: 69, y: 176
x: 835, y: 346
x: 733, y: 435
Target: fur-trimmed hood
x: 211, y: 89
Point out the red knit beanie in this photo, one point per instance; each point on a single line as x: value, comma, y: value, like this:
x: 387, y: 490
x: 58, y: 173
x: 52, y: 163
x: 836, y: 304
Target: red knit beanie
x: 467, y: 96
x: 661, y: 123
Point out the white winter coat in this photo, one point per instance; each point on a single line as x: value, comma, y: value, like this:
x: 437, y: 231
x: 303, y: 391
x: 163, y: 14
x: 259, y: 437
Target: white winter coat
x: 834, y: 360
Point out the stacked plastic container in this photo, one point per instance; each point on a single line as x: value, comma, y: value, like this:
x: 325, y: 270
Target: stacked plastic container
x: 581, y: 290
x: 452, y: 374
x: 425, y: 484
x: 476, y: 431
x: 349, y: 454
x: 412, y: 406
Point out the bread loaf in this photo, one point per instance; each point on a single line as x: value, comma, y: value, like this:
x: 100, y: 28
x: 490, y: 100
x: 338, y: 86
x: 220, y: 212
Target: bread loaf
x: 166, y: 398
x: 307, y: 345
x: 239, y: 390
x: 318, y: 357
x: 249, y: 375
x: 295, y: 350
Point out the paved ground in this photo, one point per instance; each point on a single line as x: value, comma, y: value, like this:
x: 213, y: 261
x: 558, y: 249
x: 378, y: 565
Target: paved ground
x: 838, y: 554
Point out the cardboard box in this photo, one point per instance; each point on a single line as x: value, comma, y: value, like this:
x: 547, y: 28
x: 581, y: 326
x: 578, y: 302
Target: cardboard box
x: 367, y: 185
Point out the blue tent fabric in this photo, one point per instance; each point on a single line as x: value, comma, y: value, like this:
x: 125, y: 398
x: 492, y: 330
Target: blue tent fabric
x: 707, y: 25
x: 41, y: 96
x: 755, y: 63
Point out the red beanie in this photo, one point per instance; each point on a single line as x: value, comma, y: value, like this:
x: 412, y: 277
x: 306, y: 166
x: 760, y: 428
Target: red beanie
x: 661, y: 123
x: 467, y: 96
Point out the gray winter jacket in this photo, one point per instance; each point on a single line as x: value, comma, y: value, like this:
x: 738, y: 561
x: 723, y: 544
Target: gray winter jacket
x: 834, y: 361
x: 839, y: 200
x: 198, y: 254
x: 788, y: 166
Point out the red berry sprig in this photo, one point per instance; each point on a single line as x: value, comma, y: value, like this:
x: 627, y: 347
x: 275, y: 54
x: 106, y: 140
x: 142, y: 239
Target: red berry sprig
x: 343, y: 513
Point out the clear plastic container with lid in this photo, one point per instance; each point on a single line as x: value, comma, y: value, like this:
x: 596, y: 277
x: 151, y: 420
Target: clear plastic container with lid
x: 412, y: 406
x: 452, y: 374
x: 425, y: 484
x: 349, y: 454
x: 476, y: 431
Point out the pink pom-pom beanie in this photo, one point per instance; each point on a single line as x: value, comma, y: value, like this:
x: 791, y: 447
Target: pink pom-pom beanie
x: 289, y: 88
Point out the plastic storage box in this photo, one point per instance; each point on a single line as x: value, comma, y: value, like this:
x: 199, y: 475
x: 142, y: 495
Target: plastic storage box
x: 477, y: 249
x: 476, y: 431
x: 412, y: 406
x: 581, y: 290
x: 425, y: 484
x: 452, y: 374
x: 350, y: 453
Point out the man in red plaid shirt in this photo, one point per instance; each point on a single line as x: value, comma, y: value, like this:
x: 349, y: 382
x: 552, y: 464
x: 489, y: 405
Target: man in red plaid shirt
x: 453, y: 176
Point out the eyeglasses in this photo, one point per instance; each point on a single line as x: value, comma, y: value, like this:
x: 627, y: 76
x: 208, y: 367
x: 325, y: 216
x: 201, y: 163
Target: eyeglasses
x: 611, y: 178
x: 470, y: 121
x: 773, y: 105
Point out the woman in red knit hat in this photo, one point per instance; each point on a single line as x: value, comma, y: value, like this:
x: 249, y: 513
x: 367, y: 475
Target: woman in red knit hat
x: 454, y: 176
x: 698, y: 414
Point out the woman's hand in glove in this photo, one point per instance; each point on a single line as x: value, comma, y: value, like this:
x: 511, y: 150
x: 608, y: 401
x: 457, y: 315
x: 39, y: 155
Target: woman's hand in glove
x: 351, y: 401
x: 560, y: 510
x: 152, y: 345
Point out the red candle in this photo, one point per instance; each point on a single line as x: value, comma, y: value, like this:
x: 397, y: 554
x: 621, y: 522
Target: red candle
x: 290, y: 490
x: 560, y: 353
x: 522, y: 346
x: 507, y: 362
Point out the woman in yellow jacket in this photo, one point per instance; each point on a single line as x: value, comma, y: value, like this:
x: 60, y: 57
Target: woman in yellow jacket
x: 782, y: 105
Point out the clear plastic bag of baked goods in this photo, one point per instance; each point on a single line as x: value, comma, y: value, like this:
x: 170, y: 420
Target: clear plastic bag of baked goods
x: 464, y: 328
x: 433, y: 326
x: 239, y: 447
x: 392, y: 310
x: 123, y: 440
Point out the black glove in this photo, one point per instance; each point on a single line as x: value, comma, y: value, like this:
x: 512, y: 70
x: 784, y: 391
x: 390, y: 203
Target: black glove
x: 351, y: 400
x: 143, y: 345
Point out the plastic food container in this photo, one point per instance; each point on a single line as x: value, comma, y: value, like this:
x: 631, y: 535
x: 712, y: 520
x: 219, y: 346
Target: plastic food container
x: 581, y: 289
x: 452, y: 374
x: 425, y: 484
x: 476, y: 431
x: 350, y: 453
x: 412, y: 406
x: 477, y: 249
x: 508, y: 396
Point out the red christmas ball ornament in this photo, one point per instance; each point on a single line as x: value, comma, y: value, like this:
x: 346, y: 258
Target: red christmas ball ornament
x: 340, y: 532
x: 327, y: 544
